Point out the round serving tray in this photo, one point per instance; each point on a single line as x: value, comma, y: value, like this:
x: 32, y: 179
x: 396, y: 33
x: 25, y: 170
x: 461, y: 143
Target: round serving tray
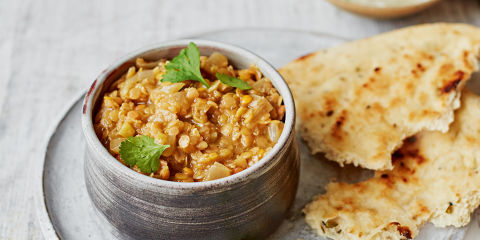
x: 65, y: 211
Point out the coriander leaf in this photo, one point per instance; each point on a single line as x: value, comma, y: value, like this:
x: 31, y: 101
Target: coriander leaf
x: 143, y: 152
x: 185, y: 66
x: 233, y: 81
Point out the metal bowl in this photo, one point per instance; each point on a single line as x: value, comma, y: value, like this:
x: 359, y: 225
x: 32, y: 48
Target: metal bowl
x: 247, y: 205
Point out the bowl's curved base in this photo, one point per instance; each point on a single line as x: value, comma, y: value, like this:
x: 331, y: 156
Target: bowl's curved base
x: 170, y: 222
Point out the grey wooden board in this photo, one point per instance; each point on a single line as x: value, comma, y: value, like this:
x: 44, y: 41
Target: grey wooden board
x: 70, y: 214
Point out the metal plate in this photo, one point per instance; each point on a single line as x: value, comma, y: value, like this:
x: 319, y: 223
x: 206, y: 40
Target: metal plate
x: 65, y: 211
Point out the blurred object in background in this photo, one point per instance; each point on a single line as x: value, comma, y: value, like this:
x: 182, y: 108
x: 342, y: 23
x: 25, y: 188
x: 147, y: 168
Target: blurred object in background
x: 384, y: 8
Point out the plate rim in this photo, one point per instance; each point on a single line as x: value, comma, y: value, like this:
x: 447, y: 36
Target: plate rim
x: 43, y: 215
x: 270, y: 29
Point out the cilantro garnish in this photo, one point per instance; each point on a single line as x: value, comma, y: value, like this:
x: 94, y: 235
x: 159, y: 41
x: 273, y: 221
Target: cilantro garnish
x: 143, y: 152
x: 185, y: 66
x: 233, y: 81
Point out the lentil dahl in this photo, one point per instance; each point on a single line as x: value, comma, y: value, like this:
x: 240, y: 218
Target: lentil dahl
x: 212, y: 132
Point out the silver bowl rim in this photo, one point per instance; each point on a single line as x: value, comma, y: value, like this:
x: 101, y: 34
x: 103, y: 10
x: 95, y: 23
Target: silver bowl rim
x: 250, y: 173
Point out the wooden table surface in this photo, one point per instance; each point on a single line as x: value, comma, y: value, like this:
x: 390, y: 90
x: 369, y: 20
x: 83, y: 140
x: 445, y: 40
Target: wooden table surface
x: 50, y: 51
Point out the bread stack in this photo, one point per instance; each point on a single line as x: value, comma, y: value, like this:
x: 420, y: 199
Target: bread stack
x: 395, y: 103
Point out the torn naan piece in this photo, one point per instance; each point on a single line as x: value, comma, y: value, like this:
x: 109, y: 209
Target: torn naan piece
x: 436, y: 178
x: 357, y: 102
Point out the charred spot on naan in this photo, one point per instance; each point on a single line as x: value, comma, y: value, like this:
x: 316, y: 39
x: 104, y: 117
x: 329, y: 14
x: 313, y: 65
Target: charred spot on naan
x: 403, y: 230
x: 368, y: 84
x: 336, y: 131
x: 422, y: 210
x: 387, y: 180
x: 305, y: 57
x: 407, y: 158
x: 420, y: 67
x: 466, y: 61
x: 329, y: 104
x: 453, y: 83
x: 403, y: 168
x: 411, y: 139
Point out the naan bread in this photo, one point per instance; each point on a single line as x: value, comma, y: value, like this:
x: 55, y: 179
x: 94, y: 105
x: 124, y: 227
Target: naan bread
x: 357, y: 102
x: 436, y: 178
